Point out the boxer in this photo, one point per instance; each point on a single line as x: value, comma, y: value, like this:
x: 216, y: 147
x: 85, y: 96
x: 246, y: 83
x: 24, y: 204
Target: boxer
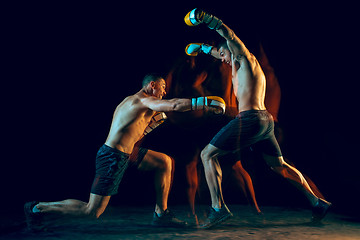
x: 132, y: 119
x: 253, y: 126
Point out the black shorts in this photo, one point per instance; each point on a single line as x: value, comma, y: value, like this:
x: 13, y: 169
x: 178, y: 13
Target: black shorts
x: 253, y: 128
x: 111, y: 165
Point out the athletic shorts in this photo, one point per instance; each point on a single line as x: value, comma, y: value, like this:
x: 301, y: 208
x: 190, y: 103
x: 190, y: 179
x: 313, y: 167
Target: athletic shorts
x: 252, y: 128
x: 111, y: 165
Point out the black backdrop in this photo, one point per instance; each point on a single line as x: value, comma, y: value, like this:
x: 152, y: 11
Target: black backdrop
x: 67, y: 66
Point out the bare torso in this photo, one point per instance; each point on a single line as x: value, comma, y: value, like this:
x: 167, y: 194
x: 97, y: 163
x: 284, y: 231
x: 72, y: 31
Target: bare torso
x: 130, y: 119
x: 249, y: 82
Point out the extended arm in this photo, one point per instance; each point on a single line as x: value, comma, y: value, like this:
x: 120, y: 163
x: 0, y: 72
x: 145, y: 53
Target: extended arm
x: 212, y: 103
x: 159, y: 105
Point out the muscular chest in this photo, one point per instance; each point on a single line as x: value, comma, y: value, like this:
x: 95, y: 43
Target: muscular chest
x: 147, y: 116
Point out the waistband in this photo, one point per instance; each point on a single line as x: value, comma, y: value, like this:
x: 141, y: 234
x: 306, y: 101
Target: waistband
x: 114, y: 150
x: 251, y: 111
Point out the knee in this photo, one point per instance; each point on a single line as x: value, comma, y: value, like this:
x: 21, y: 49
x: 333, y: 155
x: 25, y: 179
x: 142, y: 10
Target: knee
x: 279, y: 168
x: 275, y: 163
x: 166, y: 163
x: 205, y: 156
x: 94, y: 212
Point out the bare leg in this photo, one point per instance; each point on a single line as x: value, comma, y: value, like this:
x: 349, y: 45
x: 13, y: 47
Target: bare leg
x: 312, y: 185
x: 293, y: 175
x: 244, y: 181
x: 72, y: 207
x: 219, y: 211
x: 192, y: 179
x: 163, y: 166
x: 213, y: 174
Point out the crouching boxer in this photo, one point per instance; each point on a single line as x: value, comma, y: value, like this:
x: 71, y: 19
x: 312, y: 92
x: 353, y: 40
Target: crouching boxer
x: 134, y: 117
x: 252, y: 127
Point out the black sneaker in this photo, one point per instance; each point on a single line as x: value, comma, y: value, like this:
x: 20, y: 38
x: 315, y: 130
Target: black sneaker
x: 167, y: 219
x: 320, y: 209
x: 33, y: 220
x: 216, y: 218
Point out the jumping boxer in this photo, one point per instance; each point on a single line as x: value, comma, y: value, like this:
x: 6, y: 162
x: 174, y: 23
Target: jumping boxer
x: 131, y: 121
x: 253, y: 126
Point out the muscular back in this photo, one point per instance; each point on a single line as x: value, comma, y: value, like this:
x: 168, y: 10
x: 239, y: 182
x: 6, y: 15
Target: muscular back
x: 129, y: 122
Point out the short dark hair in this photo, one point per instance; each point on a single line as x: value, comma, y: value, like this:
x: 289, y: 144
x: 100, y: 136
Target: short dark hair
x: 151, y: 77
x: 222, y: 44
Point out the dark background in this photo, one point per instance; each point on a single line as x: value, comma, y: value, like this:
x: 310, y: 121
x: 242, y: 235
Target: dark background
x: 67, y: 66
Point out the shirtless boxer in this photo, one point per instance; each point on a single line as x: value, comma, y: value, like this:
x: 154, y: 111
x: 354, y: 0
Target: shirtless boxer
x: 253, y: 126
x: 130, y: 123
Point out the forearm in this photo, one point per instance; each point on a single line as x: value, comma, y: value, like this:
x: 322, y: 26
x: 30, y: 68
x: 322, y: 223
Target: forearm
x: 181, y: 104
x: 212, y: 103
x: 167, y: 105
x: 236, y: 46
x: 226, y: 32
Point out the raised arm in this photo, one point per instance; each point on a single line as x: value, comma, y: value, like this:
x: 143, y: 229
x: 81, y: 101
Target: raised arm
x: 236, y: 46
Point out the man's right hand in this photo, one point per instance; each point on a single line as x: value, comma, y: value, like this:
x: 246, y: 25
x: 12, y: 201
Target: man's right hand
x: 193, y: 49
x: 213, y: 103
x: 197, y: 16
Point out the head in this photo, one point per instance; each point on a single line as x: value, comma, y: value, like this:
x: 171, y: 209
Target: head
x: 224, y: 52
x: 154, y: 85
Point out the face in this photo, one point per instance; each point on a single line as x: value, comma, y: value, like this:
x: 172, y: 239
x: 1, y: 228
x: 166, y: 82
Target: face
x: 225, y: 55
x: 159, y: 87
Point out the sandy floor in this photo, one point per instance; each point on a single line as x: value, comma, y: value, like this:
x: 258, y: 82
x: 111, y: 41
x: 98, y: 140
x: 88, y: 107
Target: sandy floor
x: 134, y: 223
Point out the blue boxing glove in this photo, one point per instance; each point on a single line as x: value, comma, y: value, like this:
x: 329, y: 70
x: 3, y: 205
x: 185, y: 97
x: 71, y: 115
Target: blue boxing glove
x: 193, y: 49
x: 213, y: 103
x: 197, y: 16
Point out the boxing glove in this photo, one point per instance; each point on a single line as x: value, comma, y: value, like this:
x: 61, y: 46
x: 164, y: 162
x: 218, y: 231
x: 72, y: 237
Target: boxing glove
x: 217, y: 104
x: 156, y: 120
x: 193, y: 49
x: 197, y: 16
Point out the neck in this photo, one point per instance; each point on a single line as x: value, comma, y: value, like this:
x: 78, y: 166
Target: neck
x: 145, y: 91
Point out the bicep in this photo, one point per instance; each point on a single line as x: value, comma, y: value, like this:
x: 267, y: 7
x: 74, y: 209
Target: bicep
x: 151, y: 103
x: 158, y: 105
x: 237, y: 48
x: 175, y: 104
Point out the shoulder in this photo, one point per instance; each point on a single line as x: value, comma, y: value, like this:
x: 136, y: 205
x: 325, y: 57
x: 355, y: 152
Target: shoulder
x: 138, y: 97
x: 144, y: 101
x: 248, y: 59
x: 131, y: 102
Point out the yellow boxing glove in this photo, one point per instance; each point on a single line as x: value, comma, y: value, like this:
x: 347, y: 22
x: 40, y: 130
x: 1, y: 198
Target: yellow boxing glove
x: 214, y: 103
x: 193, y: 49
x: 197, y: 16
x: 156, y: 120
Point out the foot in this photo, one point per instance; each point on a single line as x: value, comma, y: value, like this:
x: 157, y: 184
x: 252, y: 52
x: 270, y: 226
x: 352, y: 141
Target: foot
x: 320, y: 209
x: 167, y: 219
x: 33, y: 220
x: 216, y: 218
